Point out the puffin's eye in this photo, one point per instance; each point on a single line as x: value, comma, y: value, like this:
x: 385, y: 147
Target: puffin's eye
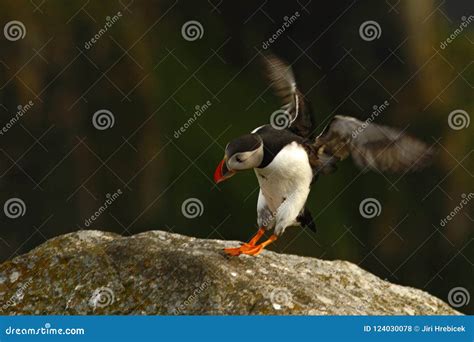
x: 238, y: 159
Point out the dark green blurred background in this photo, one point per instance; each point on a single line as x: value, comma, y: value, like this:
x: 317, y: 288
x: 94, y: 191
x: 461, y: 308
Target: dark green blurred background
x: 151, y: 79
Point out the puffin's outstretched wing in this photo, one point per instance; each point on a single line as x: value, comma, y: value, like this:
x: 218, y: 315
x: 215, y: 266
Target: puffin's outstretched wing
x: 295, y: 107
x: 370, y: 146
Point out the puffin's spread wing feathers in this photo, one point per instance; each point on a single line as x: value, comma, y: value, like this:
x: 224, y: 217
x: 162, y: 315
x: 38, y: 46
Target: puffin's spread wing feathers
x: 370, y: 146
x: 297, y: 108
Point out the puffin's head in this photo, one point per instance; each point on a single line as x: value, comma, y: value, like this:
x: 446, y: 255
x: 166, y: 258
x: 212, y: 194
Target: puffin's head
x: 243, y: 153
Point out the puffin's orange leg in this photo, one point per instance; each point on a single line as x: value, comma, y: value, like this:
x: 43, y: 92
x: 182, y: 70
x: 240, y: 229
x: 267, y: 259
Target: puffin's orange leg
x: 255, y: 238
x: 246, y: 246
x: 259, y: 248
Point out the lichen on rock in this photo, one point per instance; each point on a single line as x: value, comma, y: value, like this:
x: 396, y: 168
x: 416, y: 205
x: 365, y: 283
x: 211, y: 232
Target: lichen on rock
x: 156, y: 272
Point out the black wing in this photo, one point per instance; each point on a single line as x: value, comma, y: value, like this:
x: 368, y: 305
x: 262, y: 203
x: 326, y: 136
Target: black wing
x: 295, y: 107
x: 370, y: 146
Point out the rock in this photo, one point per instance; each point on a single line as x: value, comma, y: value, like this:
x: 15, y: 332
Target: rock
x: 93, y: 272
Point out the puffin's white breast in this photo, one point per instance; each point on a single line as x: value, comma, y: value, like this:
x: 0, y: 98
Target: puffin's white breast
x: 289, y: 174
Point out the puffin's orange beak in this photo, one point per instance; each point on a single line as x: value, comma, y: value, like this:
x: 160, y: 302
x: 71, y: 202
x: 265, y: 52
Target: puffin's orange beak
x: 222, y: 172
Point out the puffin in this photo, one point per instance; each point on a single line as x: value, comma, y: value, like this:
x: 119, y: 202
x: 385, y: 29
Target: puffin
x: 287, y: 156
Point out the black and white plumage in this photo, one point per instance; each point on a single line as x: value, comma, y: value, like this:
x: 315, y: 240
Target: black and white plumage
x: 286, y: 161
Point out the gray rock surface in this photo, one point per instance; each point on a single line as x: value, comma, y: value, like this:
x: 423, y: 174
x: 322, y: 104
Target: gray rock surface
x: 93, y: 272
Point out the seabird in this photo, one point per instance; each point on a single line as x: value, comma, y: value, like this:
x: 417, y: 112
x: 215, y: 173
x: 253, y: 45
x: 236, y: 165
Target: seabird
x: 287, y: 156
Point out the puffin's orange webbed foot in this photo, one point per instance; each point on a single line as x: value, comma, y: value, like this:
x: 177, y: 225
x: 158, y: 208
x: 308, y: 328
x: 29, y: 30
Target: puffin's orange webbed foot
x: 245, y: 246
x: 239, y: 250
x: 254, y: 251
x: 248, y: 249
x: 233, y: 251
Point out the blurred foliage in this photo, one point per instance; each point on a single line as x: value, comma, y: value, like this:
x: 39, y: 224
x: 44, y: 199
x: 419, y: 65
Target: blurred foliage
x: 152, y: 79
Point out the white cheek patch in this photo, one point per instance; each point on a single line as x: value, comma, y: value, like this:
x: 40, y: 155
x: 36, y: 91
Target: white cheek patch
x: 244, y: 156
x: 249, y: 159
